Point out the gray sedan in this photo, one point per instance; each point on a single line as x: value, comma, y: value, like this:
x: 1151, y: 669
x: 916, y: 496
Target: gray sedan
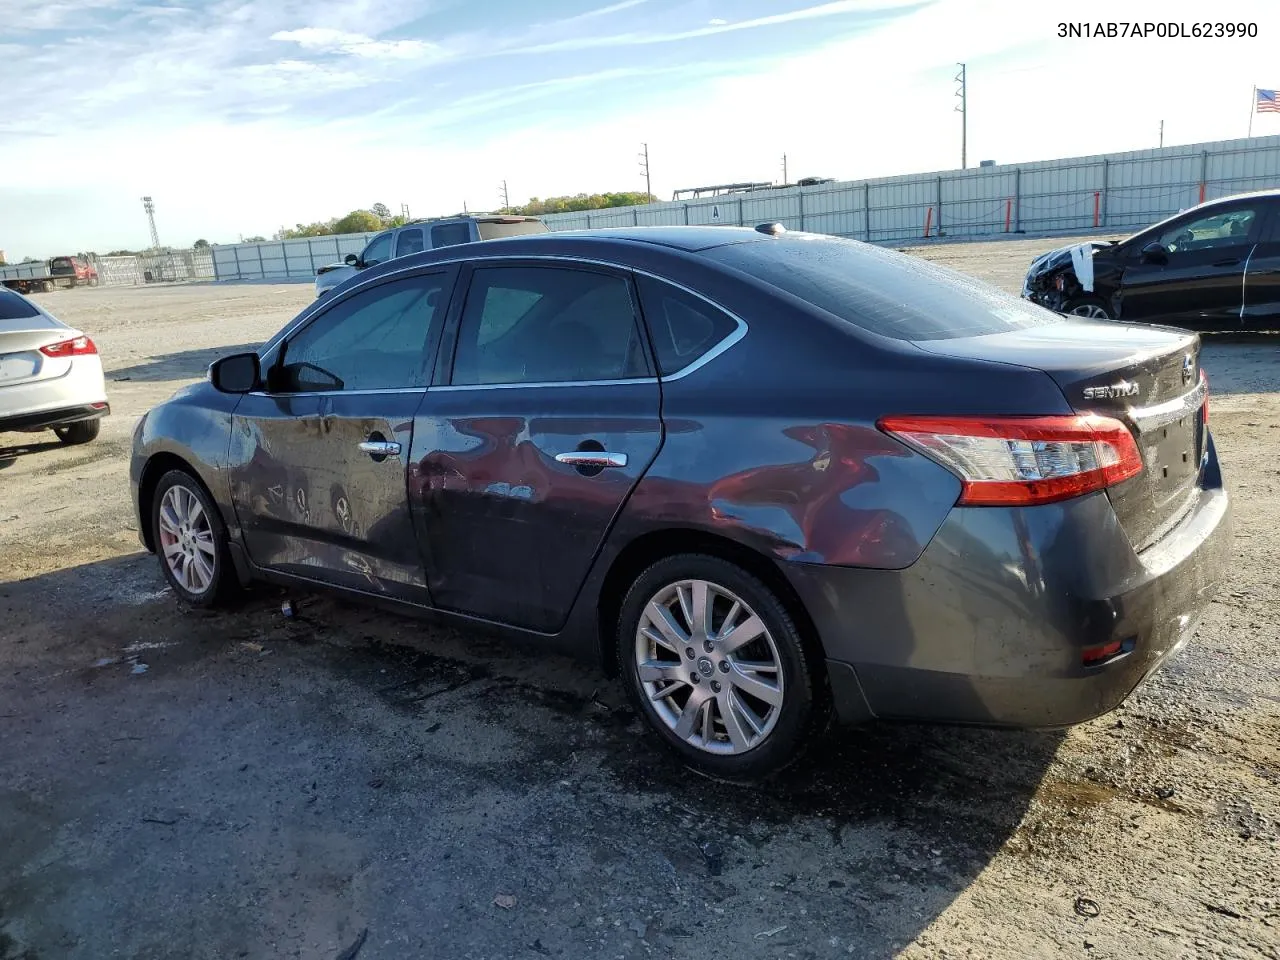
x: 766, y: 479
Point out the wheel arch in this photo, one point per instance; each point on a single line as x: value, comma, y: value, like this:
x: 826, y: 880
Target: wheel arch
x: 651, y: 547
x: 157, y: 465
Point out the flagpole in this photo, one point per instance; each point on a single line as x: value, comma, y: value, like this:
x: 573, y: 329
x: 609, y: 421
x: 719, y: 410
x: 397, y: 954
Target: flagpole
x: 1253, y: 108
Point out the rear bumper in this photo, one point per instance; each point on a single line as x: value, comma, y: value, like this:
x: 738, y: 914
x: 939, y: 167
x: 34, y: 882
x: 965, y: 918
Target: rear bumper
x: 991, y: 625
x: 60, y: 417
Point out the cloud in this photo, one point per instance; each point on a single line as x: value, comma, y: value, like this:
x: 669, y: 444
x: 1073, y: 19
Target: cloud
x: 328, y: 40
x: 717, y: 26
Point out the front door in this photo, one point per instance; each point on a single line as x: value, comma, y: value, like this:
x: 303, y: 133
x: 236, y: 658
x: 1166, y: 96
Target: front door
x: 522, y: 462
x: 1201, y: 286
x: 318, y: 458
x: 1262, y: 279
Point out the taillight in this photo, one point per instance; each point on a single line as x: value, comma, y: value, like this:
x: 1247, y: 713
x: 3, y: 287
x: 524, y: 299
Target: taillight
x: 78, y: 347
x: 1012, y: 461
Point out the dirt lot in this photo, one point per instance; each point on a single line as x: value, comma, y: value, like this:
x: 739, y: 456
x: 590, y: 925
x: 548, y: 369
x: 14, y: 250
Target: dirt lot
x: 349, y: 782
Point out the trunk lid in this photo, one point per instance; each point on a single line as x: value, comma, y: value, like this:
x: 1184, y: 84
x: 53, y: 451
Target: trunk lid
x: 1148, y: 377
x: 20, y: 341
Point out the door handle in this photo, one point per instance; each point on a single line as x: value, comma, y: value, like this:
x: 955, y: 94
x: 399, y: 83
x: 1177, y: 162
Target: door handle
x: 592, y: 458
x: 380, y: 448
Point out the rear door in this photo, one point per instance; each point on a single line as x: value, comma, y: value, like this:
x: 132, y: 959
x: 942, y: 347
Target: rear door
x: 410, y: 240
x: 522, y: 462
x: 318, y: 458
x: 1262, y: 278
x: 1201, y: 287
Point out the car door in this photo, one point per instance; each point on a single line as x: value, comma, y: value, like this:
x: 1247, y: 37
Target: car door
x: 409, y: 240
x: 451, y: 234
x: 1262, y: 278
x: 522, y: 461
x: 378, y: 251
x: 318, y: 457
x: 1200, y: 283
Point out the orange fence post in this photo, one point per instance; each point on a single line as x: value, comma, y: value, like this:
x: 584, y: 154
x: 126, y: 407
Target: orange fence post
x: 928, y: 222
x: 1008, y: 214
x: 1097, y: 206
x: 1202, y: 191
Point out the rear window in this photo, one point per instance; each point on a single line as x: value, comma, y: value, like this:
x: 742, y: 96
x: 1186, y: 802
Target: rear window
x: 60, y: 262
x: 886, y: 293
x: 14, y: 307
x: 493, y: 230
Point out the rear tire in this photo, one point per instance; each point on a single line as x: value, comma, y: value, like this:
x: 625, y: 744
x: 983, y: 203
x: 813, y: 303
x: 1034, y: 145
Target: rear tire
x: 191, y: 542
x: 1092, y: 308
x: 82, y: 431
x: 757, y: 706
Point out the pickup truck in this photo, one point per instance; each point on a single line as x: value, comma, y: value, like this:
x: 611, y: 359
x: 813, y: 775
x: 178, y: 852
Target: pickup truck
x: 42, y: 276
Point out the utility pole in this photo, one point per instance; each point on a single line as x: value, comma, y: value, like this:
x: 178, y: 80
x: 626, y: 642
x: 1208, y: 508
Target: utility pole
x: 962, y: 108
x: 785, y: 181
x: 404, y: 211
x: 644, y: 166
x: 506, y: 198
x: 150, y: 207
x: 1162, y: 133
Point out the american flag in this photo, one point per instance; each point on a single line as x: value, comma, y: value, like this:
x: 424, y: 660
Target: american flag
x: 1268, y: 101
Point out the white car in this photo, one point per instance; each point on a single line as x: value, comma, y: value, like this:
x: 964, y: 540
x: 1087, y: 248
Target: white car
x: 50, y: 374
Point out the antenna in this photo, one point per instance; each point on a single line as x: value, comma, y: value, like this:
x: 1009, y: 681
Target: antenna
x: 150, y: 207
x: 644, y: 166
x: 962, y: 109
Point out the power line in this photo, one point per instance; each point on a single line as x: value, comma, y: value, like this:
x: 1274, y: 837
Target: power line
x: 644, y: 166
x: 963, y: 110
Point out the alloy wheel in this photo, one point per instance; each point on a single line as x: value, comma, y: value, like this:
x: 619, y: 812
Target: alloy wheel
x: 709, y: 667
x: 186, y: 540
x: 1091, y: 311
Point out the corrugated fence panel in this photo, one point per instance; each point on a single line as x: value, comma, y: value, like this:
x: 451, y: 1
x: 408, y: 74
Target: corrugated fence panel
x: 1113, y: 193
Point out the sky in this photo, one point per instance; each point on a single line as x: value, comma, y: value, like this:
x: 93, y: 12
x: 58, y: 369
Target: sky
x: 242, y: 116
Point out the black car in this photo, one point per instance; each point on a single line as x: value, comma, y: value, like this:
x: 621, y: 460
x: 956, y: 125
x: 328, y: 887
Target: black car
x: 1211, y: 268
x: 760, y: 475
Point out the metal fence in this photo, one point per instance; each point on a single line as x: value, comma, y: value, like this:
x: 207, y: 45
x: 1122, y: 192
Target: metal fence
x: 1113, y: 192
x: 284, y: 259
x: 176, y: 266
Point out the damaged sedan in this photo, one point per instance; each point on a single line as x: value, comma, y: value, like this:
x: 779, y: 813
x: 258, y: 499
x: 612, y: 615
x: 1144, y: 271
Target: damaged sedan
x: 1213, y: 267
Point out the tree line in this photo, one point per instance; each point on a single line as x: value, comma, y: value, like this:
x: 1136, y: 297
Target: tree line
x: 379, y: 216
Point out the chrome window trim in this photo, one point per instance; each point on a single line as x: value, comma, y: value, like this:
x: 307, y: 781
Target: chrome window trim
x: 336, y: 393
x: 698, y: 364
x: 454, y: 387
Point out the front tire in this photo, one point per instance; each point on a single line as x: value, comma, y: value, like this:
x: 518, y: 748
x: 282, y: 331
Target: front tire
x: 82, y: 431
x: 191, y: 541
x: 1091, y: 308
x: 715, y: 664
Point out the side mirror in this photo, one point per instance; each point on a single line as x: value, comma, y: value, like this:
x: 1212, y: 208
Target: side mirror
x: 1155, y: 253
x: 351, y: 260
x: 239, y: 373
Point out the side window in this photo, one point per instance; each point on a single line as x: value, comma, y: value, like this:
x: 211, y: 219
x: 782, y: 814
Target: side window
x: 378, y: 250
x: 374, y: 340
x: 1228, y: 229
x: 450, y: 234
x: 409, y: 241
x: 1275, y: 223
x: 683, y: 327
x: 547, y: 325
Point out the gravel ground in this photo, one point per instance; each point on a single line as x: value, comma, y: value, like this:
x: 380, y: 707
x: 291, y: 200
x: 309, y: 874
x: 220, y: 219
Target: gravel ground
x: 353, y: 783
